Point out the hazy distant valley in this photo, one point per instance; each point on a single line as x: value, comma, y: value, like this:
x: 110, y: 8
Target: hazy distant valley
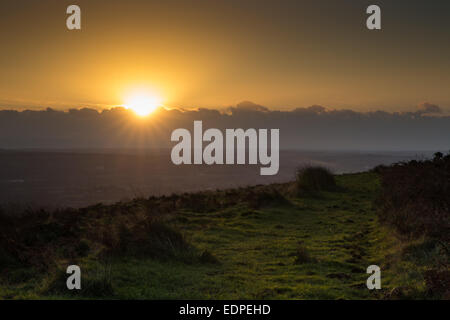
x: 84, y: 177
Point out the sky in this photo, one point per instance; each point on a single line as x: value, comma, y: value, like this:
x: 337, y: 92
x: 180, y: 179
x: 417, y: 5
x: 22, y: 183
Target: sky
x: 281, y: 54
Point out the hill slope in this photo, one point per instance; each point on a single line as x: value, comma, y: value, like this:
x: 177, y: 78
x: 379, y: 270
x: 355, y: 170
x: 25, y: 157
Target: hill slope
x: 250, y: 243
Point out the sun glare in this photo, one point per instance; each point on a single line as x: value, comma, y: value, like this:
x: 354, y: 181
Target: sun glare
x: 142, y: 104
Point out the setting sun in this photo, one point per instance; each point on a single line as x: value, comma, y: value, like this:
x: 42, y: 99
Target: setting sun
x: 142, y: 103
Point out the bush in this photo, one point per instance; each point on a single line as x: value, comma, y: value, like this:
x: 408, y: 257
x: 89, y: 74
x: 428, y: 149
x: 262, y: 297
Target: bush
x: 83, y: 248
x: 438, y: 283
x: 415, y: 197
x: 310, y: 180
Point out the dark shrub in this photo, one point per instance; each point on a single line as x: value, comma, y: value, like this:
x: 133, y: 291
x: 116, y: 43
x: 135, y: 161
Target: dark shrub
x: 7, y: 260
x: 310, y: 180
x: 415, y: 197
x: 379, y: 168
x: 438, y: 283
x: 82, y: 249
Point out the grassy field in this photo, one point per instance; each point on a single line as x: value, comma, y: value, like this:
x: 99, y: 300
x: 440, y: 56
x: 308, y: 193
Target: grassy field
x: 289, y: 247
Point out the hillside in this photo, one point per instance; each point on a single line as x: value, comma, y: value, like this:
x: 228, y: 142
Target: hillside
x: 262, y: 242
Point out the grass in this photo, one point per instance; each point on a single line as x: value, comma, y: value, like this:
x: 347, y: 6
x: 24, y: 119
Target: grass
x: 233, y: 244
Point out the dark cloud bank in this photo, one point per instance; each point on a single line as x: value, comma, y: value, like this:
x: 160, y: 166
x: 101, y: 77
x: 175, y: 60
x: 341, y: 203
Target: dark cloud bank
x: 313, y: 128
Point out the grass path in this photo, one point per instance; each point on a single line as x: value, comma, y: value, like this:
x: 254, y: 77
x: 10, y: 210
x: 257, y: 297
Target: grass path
x: 258, y: 250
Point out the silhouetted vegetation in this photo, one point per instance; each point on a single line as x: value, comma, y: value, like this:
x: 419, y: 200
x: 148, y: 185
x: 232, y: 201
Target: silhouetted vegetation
x: 39, y: 238
x: 310, y: 180
x: 415, y: 197
x: 415, y: 200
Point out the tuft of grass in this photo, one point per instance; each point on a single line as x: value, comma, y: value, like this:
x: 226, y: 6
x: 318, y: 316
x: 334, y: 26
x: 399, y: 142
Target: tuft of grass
x: 311, y: 180
x: 208, y: 258
x: 96, y: 282
x: 302, y: 255
x: 150, y: 238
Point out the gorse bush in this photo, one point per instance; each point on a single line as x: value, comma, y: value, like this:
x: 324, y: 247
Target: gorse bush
x: 310, y: 180
x: 415, y: 197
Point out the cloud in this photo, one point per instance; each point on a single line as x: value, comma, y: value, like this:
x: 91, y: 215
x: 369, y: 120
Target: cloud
x: 250, y: 106
x: 427, y: 107
x: 312, y: 128
x: 314, y: 109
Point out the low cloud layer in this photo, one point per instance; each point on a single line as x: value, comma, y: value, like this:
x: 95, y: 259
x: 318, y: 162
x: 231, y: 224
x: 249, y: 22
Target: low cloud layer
x: 426, y: 107
x: 313, y: 128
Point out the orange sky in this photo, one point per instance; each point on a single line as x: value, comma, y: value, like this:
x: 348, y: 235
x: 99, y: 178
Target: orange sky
x: 282, y: 54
